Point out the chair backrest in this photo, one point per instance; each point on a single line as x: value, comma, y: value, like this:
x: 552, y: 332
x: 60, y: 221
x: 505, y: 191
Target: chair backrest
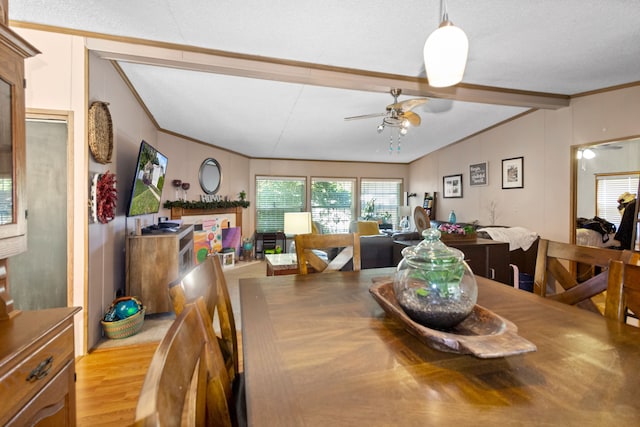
x: 207, y: 280
x: 187, y: 382
x: 623, y: 290
x: 551, y: 268
x: 306, y: 244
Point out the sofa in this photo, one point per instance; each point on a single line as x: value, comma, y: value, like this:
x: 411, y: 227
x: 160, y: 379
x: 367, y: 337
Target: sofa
x: 376, y: 246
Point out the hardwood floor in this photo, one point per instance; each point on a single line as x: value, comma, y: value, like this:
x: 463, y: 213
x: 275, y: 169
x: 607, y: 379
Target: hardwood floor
x: 108, y: 380
x: 108, y: 383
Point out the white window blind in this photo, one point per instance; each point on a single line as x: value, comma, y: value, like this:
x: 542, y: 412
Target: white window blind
x: 383, y: 195
x: 608, y: 189
x: 332, y: 203
x: 6, y: 201
x: 274, y: 197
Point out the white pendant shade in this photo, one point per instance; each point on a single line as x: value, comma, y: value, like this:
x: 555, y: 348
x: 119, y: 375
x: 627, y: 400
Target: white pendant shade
x: 445, y: 55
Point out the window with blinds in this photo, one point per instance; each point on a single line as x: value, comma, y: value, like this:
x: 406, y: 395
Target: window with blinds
x: 380, y: 198
x: 608, y: 189
x: 332, y: 203
x: 6, y: 200
x: 274, y: 197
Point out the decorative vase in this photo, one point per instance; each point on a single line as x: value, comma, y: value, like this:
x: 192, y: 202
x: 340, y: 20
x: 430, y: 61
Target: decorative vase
x: 433, y: 284
x: 452, y: 217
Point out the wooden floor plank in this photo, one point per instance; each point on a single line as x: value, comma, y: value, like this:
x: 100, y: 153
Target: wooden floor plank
x: 108, y: 383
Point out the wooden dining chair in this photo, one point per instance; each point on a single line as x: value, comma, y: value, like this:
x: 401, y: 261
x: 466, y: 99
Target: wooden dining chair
x: 207, y: 280
x: 623, y: 290
x: 187, y: 382
x: 308, y: 245
x: 556, y: 260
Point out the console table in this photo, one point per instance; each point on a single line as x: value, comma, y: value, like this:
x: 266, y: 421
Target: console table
x: 487, y: 258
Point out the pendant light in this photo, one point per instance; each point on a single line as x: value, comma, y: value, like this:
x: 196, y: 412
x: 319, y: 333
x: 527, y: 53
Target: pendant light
x: 445, y: 53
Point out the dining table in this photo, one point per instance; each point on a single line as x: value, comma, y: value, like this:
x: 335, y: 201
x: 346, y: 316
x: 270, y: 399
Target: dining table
x: 319, y: 350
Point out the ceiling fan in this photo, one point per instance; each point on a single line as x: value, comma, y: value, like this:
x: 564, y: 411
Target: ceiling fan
x: 398, y: 114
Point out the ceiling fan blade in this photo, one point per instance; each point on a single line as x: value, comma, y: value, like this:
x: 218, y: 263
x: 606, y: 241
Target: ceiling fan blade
x: 407, y: 105
x: 366, y: 116
x: 413, y: 118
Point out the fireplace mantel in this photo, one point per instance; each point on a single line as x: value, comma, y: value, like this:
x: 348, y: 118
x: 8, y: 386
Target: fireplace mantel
x: 178, y: 212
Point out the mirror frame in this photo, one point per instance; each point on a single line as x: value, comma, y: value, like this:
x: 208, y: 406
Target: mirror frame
x: 208, y: 187
x: 574, y: 185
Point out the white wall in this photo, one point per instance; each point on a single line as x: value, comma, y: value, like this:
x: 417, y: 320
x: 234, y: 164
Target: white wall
x: 185, y: 158
x: 106, y: 263
x: 56, y: 81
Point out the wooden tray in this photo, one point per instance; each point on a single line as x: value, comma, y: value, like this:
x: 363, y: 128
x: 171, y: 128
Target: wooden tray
x: 483, y: 333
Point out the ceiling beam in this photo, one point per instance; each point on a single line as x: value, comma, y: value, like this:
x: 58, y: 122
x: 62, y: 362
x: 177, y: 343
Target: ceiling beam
x: 228, y: 63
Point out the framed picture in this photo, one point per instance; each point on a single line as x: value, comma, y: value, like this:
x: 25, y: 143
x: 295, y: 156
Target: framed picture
x: 479, y: 174
x: 513, y: 173
x: 452, y: 186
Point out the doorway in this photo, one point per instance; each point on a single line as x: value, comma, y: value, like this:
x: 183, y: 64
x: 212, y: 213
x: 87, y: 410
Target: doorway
x: 40, y: 276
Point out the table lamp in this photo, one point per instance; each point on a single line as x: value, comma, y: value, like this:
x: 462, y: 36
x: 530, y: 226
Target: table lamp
x: 296, y: 223
x: 403, y: 213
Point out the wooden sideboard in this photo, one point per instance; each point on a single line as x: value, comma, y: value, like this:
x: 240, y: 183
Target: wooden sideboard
x: 37, y: 368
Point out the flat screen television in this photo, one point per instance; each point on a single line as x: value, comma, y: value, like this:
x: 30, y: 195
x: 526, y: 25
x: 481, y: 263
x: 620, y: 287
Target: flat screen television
x: 148, y: 181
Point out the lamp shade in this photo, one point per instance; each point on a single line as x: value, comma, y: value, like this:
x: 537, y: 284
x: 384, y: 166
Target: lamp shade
x: 404, y: 211
x: 445, y: 55
x: 297, y: 222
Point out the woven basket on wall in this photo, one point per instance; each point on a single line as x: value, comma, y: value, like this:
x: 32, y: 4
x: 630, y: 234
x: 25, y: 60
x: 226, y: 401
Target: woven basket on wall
x: 100, y: 132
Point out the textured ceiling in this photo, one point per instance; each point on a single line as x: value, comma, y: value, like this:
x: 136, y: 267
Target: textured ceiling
x: 556, y: 47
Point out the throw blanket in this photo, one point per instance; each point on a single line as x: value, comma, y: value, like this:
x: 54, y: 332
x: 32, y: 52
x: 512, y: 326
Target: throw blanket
x: 517, y: 237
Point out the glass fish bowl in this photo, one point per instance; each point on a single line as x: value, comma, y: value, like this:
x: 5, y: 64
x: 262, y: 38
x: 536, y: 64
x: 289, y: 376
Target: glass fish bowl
x: 433, y: 284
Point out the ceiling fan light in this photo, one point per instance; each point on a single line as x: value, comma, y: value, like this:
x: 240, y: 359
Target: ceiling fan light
x: 380, y: 128
x: 403, y: 131
x: 445, y: 55
x: 406, y: 123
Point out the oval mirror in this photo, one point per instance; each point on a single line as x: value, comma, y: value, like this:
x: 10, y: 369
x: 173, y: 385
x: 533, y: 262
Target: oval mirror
x: 210, y: 176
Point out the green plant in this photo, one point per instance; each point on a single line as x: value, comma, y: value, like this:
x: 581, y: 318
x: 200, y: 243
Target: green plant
x: 444, y: 278
x: 369, y: 210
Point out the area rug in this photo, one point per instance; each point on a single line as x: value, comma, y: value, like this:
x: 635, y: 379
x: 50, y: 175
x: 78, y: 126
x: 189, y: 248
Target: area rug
x: 155, y: 325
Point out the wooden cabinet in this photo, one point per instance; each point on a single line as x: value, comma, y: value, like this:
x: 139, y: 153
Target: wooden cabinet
x: 153, y: 261
x: 487, y: 258
x: 37, y: 368
x: 13, y: 213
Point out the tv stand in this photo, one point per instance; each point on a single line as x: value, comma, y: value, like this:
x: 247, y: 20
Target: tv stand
x: 155, y: 259
x: 163, y: 227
